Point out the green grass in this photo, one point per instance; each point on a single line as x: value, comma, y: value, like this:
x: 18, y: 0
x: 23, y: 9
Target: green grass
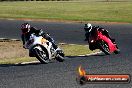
x: 17, y: 60
x: 73, y: 10
x: 75, y: 50
x: 12, y: 52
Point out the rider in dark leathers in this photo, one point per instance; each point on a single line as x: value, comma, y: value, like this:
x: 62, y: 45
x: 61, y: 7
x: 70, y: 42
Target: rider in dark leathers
x: 27, y: 30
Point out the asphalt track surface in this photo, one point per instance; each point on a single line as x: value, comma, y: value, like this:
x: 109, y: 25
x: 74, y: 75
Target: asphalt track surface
x: 63, y: 75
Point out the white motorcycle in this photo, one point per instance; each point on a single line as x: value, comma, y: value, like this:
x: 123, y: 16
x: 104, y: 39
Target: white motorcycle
x: 43, y: 49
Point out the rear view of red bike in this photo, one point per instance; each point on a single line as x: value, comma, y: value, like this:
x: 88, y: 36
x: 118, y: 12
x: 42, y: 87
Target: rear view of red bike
x: 99, y: 41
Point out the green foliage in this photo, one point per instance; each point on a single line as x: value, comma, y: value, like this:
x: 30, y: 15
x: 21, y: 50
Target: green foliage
x: 11, y: 55
x: 34, y: 0
x: 68, y: 10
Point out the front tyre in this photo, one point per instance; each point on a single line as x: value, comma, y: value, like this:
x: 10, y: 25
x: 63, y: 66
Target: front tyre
x: 41, y: 54
x: 117, y: 51
x: 104, y: 47
x: 60, y: 56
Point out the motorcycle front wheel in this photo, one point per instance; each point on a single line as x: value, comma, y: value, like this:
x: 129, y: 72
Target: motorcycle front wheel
x: 60, y: 56
x: 104, y: 47
x: 41, y: 54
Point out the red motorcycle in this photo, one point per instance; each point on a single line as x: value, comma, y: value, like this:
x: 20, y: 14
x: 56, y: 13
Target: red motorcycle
x: 99, y: 41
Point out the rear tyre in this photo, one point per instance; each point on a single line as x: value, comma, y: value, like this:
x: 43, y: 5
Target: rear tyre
x: 91, y: 47
x: 41, y: 54
x: 104, y: 47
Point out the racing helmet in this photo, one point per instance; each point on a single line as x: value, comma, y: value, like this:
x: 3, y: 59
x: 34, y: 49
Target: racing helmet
x: 87, y: 27
x: 25, y: 28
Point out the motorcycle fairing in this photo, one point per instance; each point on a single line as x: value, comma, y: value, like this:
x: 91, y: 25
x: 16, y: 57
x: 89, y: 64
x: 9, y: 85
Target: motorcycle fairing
x: 112, y: 47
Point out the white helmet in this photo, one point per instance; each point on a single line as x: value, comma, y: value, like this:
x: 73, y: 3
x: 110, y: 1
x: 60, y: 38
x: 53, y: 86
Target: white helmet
x: 88, y: 26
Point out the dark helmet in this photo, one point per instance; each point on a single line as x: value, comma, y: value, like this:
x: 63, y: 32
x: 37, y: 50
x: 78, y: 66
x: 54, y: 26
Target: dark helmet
x: 25, y: 27
x: 87, y: 27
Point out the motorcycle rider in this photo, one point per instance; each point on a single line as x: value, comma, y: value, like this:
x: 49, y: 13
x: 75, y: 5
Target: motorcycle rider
x: 27, y: 30
x: 88, y: 28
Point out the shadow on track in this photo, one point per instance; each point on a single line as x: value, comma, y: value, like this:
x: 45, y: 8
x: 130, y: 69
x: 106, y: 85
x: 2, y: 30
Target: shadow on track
x: 99, y: 54
x: 25, y: 64
x: 9, y: 65
x: 38, y: 63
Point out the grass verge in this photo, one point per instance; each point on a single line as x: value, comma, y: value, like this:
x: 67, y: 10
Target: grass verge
x: 11, y: 52
x: 87, y: 10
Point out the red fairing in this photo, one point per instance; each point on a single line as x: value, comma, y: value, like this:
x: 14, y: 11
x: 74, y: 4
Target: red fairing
x: 112, y: 46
